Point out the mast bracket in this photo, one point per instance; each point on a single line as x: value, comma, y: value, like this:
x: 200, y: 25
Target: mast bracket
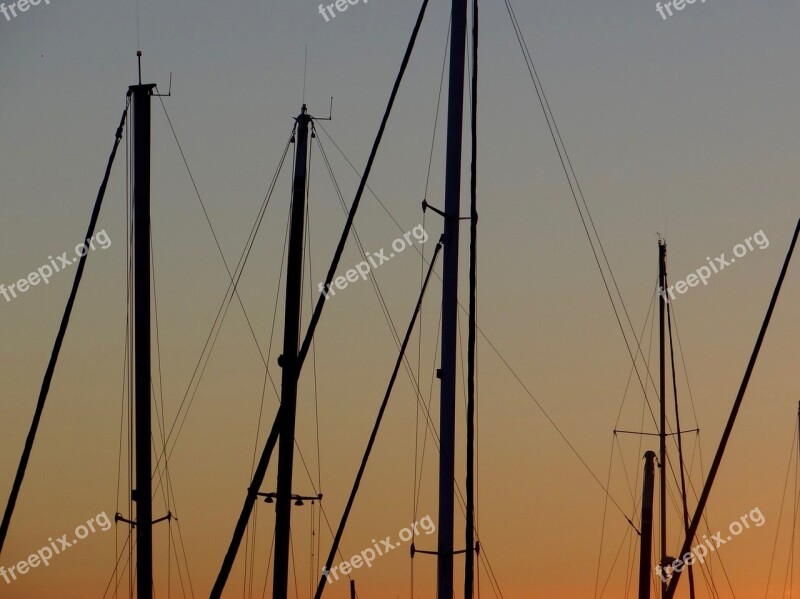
x: 414, y: 550
x: 426, y: 205
x: 120, y: 518
x: 298, y: 499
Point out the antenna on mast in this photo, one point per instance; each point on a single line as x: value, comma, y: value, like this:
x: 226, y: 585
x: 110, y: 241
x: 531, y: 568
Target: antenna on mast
x: 139, y: 59
x: 305, y: 70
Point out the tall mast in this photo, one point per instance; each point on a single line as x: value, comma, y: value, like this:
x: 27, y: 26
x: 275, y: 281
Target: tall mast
x: 469, y: 564
x: 288, y: 361
x: 662, y: 454
x: 452, y: 199
x: 646, y: 548
x: 143, y: 493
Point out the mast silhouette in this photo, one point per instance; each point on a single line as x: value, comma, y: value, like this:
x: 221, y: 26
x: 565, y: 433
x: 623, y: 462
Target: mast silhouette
x: 143, y: 494
x: 455, y: 116
x: 662, y: 452
x: 646, y: 545
x: 469, y: 533
x: 288, y: 361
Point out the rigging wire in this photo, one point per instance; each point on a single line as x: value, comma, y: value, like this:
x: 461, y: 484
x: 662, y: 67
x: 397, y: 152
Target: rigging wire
x: 649, y: 318
x: 126, y: 362
x: 406, y: 364
x: 681, y: 467
x: 709, y: 579
x: 264, y: 387
x: 417, y: 475
x: 387, y: 316
x: 795, y: 436
x: 491, y: 344
x: 62, y: 331
x: 167, y: 490
x: 577, y: 191
x: 789, y: 576
x: 234, y: 283
x: 313, y: 566
x: 213, y: 334
x: 362, y: 184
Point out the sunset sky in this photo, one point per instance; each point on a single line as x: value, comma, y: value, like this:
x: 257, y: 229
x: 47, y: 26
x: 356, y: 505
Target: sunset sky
x: 684, y: 128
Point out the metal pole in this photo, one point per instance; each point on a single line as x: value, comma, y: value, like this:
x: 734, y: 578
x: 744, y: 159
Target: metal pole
x: 662, y: 451
x: 469, y: 533
x: 143, y: 494
x: 288, y: 362
x: 680, y: 446
x: 646, y: 549
x: 452, y: 202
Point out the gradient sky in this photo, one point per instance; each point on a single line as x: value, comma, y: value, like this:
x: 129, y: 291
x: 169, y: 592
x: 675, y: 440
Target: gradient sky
x: 686, y: 128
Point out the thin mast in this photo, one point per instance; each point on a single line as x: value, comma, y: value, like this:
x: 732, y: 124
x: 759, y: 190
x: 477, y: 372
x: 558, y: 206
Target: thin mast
x: 469, y: 535
x: 662, y: 453
x: 646, y: 548
x: 143, y: 494
x: 289, y: 363
x: 450, y: 300
x: 680, y: 447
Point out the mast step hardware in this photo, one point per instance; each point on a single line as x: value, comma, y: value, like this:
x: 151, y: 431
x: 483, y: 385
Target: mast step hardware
x: 414, y: 550
x: 120, y: 518
x: 298, y: 499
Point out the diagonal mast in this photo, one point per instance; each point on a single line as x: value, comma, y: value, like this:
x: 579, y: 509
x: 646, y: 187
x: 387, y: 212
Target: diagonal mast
x: 737, y: 404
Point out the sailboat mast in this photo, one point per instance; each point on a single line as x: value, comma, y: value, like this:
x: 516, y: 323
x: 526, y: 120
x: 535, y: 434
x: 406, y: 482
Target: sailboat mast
x: 143, y: 494
x: 646, y: 547
x: 288, y: 361
x: 469, y: 564
x: 452, y: 209
x: 662, y: 455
